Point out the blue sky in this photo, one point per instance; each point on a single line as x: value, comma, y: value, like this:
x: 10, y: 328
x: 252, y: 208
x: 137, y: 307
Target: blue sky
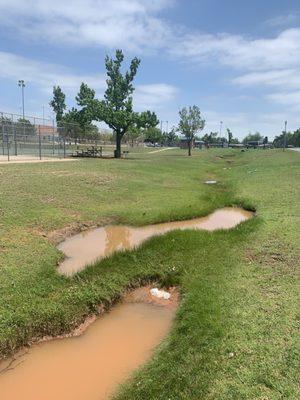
x: 238, y: 61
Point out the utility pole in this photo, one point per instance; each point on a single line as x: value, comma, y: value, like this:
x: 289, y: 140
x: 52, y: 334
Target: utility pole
x: 167, y: 126
x: 21, y: 84
x: 284, y: 139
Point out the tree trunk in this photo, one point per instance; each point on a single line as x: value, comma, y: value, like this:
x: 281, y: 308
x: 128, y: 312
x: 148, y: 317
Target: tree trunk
x: 190, y: 148
x: 118, y: 144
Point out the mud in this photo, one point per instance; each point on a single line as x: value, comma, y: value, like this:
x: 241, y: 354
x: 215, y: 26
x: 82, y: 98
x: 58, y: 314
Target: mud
x: 87, y: 247
x: 92, y: 365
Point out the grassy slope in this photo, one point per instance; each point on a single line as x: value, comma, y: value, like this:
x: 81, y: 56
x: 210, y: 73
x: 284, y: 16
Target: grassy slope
x: 239, y: 293
x: 241, y: 297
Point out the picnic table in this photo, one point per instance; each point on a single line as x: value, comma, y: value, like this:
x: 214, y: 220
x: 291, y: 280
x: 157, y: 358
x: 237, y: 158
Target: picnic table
x: 92, y: 152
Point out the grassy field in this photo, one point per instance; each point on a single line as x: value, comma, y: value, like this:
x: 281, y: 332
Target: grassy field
x: 235, y: 332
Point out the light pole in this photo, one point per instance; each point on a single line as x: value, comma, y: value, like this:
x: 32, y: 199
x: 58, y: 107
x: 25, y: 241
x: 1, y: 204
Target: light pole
x: 21, y: 84
x: 284, y: 139
x: 161, y: 125
x: 221, y: 125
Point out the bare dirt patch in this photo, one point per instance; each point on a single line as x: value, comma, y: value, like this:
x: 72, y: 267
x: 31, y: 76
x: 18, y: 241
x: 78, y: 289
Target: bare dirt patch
x: 59, y: 235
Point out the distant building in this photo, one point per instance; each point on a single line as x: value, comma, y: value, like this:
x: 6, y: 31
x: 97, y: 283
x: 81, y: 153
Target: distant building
x: 47, y: 132
x: 184, y: 143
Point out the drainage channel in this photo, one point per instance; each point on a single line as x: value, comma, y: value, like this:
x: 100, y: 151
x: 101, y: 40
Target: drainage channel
x: 88, y: 246
x: 92, y: 365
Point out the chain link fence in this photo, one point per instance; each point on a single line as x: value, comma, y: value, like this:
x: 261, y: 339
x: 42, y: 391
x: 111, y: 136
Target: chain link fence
x: 34, y: 137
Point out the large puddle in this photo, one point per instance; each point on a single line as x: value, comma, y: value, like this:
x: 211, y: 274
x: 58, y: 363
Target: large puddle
x: 89, y: 366
x: 86, y: 247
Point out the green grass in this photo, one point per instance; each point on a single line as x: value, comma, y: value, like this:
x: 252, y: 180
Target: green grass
x: 234, y: 336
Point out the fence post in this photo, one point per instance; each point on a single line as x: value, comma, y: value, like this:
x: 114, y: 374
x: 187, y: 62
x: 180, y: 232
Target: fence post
x: 15, y: 138
x: 53, y: 138
x: 3, y: 136
x: 64, y: 147
x: 7, y: 140
x: 40, y: 143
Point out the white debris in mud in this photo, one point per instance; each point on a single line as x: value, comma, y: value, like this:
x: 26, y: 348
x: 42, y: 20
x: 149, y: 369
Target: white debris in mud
x: 161, y: 294
x: 210, y: 182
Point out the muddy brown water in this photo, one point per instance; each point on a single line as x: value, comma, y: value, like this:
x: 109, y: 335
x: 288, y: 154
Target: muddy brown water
x: 92, y: 365
x: 86, y: 247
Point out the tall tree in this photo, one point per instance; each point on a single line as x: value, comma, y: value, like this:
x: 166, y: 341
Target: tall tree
x: 58, y: 103
x: 85, y: 95
x: 190, y: 123
x: 230, y: 135
x: 116, y: 109
x: 84, y: 99
x: 77, y: 123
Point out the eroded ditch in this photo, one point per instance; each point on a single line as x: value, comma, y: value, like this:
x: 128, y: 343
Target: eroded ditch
x: 92, y: 365
x: 86, y: 247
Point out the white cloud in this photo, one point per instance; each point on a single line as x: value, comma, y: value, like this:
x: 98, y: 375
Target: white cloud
x: 288, y: 99
x: 288, y: 78
x: 265, y: 63
x: 137, y: 25
x: 282, y: 51
x: 44, y: 75
x: 271, y: 63
x: 282, y: 20
x: 131, y: 24
x: 154, y: 95
x: 267, y: 123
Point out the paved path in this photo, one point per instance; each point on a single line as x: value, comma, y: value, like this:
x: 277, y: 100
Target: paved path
x: 296, y: 149
x: 157, y: 151
x: 30, y: 159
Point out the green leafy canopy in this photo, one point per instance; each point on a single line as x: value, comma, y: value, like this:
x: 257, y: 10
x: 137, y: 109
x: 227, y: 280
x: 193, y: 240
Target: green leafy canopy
x: 116, y: 110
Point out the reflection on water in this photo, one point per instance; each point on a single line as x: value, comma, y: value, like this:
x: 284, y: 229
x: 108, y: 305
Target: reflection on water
x: 117, y: 238
x: 86, y: 247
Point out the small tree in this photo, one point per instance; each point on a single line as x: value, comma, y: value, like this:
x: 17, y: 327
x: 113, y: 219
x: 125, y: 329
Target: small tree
x: 70, y: 126
x: 58, y: 103
x: 153, y: 135
x: 253, y: 137
x: 190, y: 123
x: 24, y: 127
x: 116, y: 109
x: 133, y: 134
x: 292, y: 139
x: 171, y: 137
